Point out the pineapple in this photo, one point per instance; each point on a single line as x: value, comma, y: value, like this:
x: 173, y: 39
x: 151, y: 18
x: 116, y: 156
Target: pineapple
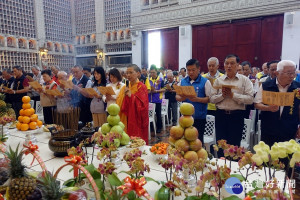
x: 50, y: 187
x: 21, y: 185
x: 2, y: 102
x: 11, y: 112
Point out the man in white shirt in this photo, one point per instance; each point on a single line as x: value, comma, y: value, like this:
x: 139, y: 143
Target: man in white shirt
x: 279, y: 123
x: 232, y: 92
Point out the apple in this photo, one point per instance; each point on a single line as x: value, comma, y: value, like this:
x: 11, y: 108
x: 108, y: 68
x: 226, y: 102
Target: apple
x: 182, y: 145
x: 113, y: 120
x: 195, y: 145
x: 186, y: 121
x: 191, y: 156
x: 190, y: 133
x: 202, y: 153
x: 78, y: 195
x: 125, y: 139
x: 122, y: 125
x: 176, y: 132
x: 172, y: 141
x: 187, y: 109
x: 116, y: 129
x: 105, y: 128
x: 113, y: 109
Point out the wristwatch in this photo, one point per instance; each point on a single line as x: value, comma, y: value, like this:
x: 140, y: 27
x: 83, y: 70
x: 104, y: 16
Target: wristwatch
x: 14, y: 91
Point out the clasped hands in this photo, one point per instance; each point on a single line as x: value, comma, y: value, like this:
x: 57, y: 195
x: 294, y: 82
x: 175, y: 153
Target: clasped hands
x: 227, y: 93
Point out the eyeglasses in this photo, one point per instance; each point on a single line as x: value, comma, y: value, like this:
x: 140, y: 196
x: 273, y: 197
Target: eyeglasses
x: 289, y: 73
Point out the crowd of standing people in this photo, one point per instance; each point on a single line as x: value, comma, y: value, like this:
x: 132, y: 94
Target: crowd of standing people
x: 136, y: 87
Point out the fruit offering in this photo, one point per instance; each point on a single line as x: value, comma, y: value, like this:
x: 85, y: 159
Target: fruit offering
x: 28, y: 119
x: 136, y: 142
x: 184, y: 137
x: 160, y: 148
x: 7, y: 114
x: 114, y: 125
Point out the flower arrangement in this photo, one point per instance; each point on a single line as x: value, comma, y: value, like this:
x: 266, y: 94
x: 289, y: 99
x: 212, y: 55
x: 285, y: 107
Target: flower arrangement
x: 297, y: 95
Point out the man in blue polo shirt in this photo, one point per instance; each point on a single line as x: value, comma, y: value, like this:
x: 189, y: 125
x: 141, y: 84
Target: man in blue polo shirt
x: 156, y: 94
x: 202, y: 87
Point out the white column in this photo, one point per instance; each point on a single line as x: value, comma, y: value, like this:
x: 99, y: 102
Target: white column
x: 40, y: 27
x: 100, y: 31
x: 39, y: 22
x: 185, y: 44
x: 137, y: 48
x: 291, y: 37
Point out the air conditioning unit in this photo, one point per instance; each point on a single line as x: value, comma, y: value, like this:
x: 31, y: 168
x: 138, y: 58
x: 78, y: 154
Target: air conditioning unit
x: 289, y: 19
x: 182, y: 31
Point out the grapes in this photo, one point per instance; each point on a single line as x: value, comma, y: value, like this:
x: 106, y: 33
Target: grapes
x: 3, y: 175
x: 36, y: 195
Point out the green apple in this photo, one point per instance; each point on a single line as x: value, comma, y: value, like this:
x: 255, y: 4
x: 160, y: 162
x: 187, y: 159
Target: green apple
x: 122, y: 125
x: 116, y: 129
x: 113, y: 120
x: 125, y: 139
x: 105, y: 128
x: 113, y: 109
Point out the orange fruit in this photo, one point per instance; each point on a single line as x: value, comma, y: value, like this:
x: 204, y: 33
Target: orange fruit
x: 26, y: 120
x: 18, y: 126
x: 20, y: 119
x: 39, y: 123
x: 27, y: 112
x: 26, y: 106
x: 26, y: 99
x: 32, y: 125
x: 32, y: 111
x: 33, y: 118
x: 24, y: 127
x: 21, y: 112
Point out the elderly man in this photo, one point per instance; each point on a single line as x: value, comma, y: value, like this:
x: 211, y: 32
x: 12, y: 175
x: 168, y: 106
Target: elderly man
x: 212, y: 75
x: 78, y: 100
x: 264, y: 71
x: 182, y: 73
x: 232, y: 92
x: 55, y: 70
x: 170, y: 94
x: 63, y: 102
x: 279, y: 123
x: 37, y: 76
x: 203, y: 90
x: 272, y: 67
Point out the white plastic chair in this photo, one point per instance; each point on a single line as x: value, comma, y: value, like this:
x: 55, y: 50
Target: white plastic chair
x: 178, y: 110
x: 245, y: 142
x: 32, y: 104
x: 258, y: 131
x: 39, y: 108
x: 151, y: 118
x: 164, y: 112
x: 252, y: 116
x: 209, y: 136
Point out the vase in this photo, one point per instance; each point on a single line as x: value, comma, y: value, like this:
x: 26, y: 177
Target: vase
x: 190, y: 178
x: 116, y: 159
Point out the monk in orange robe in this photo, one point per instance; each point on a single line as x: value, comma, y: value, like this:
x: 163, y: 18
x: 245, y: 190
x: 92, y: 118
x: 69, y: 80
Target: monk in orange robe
x: 134, y: 103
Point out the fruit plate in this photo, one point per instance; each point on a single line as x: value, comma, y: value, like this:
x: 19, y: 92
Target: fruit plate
x: 157, y: 157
